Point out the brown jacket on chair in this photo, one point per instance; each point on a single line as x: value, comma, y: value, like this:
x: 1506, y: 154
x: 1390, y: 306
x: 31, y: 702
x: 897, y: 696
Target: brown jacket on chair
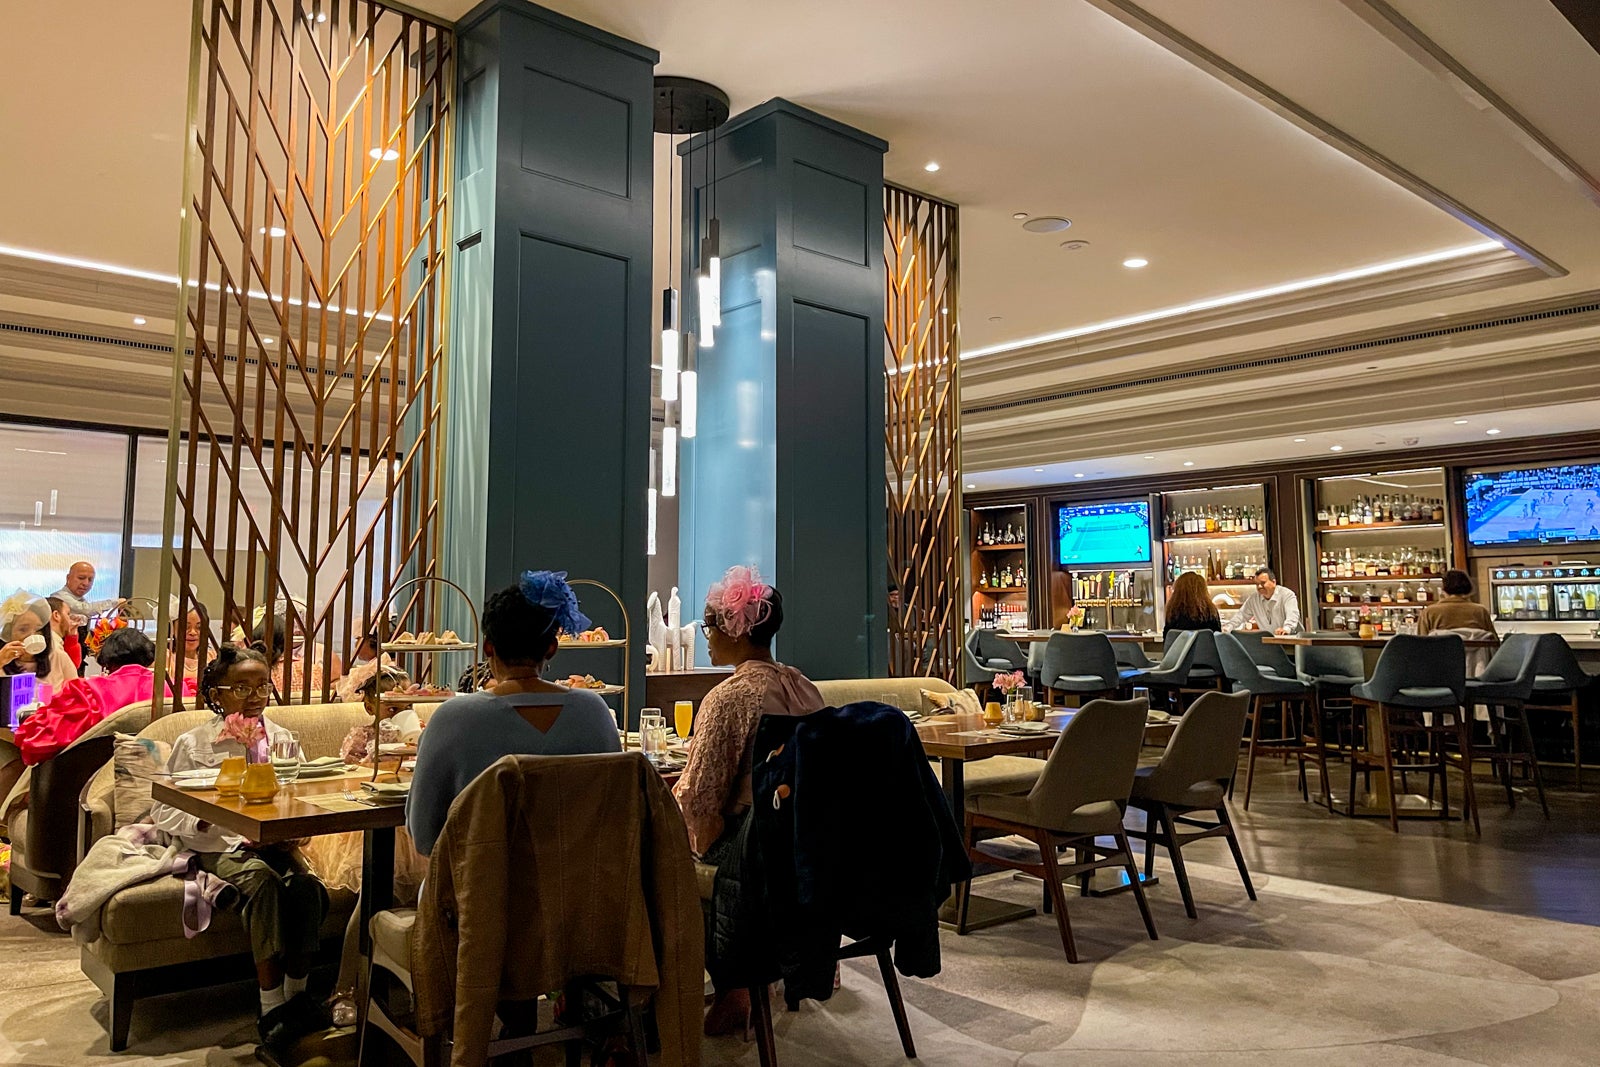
x: 552, y: 868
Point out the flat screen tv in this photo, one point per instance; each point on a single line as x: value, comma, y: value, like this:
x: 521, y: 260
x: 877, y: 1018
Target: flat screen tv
x: 1533, y: 505
x: 1092, y: 535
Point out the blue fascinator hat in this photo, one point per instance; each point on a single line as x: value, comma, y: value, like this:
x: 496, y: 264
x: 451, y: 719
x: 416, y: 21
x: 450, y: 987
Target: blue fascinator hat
x: 549, y: 590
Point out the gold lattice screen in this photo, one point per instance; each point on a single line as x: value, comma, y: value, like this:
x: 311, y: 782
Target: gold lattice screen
x: 923, y: 432
x: 309, y: 366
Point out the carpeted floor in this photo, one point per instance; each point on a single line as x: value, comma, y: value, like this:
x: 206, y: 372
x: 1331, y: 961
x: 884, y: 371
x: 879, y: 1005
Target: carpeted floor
x: 1312, y: 973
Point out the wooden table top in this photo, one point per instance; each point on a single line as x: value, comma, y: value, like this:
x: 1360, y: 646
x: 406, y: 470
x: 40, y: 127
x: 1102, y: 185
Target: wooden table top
x: 965, y: 737
x: 285, y: 817
x: 1349, y: 640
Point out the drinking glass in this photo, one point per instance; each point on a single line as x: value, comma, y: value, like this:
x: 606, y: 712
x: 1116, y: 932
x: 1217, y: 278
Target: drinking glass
x: 649, y: 720
x: 683, y: 718
x: 890, y: 699
x: 286, y: 758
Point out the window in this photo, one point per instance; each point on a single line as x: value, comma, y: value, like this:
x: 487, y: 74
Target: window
x: 63, y: 497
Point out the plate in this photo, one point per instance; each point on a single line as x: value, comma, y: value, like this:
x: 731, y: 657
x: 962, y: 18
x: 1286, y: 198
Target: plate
x: 196, y: 785
x: 326, y: 770
x: 1023, y: 727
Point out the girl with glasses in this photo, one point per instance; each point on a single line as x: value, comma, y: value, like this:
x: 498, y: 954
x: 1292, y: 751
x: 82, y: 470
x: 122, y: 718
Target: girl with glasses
x: 281, y: 903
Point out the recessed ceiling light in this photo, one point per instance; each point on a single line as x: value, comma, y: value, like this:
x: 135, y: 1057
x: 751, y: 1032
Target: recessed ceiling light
x: 320, y: 16
x: 1074, y: 246
x: 1188, y: 463
x: 971, y: 486
x: 273, y: 231
x: 138, y: 320
x: 1078, y: 475
x: 1019, y: 214
x: 1299, y: 440
x: 1149, y: 457
x: 944, y: 311
x: 1461, y: 422
x: 388, y: 155
x: 1038, y: 470
x: 1135, y: 263
x: 1336, y: 448
x: 930, y: 166
x: 1491, y: 431
x: 1047, y: 224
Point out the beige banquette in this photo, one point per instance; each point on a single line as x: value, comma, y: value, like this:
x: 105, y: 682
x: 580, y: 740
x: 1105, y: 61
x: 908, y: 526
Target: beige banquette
x: 142, y: 950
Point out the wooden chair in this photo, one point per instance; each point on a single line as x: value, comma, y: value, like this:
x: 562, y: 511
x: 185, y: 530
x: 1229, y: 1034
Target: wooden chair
x: 1079, y: 798
x: 1201, y: 757
x: 761, y: 995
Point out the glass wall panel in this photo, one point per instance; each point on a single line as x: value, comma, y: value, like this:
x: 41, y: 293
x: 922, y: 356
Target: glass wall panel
x: 62, y: 499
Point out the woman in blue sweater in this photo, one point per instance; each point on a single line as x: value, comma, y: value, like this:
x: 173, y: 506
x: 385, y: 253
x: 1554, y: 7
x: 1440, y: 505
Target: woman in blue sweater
x: 520, y: 714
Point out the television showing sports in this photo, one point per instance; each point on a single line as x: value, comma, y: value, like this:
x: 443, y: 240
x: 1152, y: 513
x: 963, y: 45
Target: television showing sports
x: 1097, y: 534
x: 1533, y: 505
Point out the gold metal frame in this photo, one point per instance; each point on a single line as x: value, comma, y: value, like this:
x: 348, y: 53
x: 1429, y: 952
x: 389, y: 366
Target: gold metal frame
x: 309, y: 352
x: 922, y: 431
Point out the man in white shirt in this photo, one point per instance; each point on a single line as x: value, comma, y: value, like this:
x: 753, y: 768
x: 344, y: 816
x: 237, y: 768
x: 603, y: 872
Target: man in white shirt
x: 1271, y: 607
x: 80, y: 579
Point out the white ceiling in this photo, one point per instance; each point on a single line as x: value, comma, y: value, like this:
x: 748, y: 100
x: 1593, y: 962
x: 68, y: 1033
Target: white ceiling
x: 1039, y: 106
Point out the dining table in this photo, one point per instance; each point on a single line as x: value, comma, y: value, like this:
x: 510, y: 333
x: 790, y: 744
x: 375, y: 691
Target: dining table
x: 960, y: 738
x: 310, y: 807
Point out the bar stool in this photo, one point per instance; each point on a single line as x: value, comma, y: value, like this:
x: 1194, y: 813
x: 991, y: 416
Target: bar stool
x: 1418, y: 682
x: 1294, y: 702
x: 1504, y: 688
x: 1166, y: 677
x: 1083, y: 665
x: 1558, y: 683
x: 1272, y: 659
x: 1206, y: 673
x: 1333, y: 670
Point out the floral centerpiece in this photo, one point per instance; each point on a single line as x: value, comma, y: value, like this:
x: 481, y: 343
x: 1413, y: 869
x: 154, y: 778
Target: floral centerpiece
x: 1008, y: 682
x: 1075, y: 617
x: 249, y: 732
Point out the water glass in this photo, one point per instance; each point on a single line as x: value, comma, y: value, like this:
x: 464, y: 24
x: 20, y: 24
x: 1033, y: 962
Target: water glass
x: 652, y: 730
x: 890, y: 699
x: 286, y: 758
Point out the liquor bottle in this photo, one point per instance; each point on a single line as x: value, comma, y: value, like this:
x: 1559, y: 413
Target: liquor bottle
x: 1563, y: 601
x: 1328, y: 594
x: 1422, y: 595
x: 1022, y: 533
x: 1402, y: 593
x: 1591, y: 598
x: 1544, y: 602
x: 1322, y: 514
x: 1438, y: 511
x: 1384, y: 596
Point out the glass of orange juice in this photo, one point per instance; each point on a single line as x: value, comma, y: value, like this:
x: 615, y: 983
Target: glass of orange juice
x: 683, y: 718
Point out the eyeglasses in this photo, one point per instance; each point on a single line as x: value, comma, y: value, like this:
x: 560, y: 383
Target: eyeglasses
x: 245, y: 692
x: 706, y: 628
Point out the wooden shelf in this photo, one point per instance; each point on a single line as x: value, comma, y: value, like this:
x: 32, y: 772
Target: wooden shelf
x: 1018, y: 547
x: 593, y: 644
x: 1391, y: 604
x: 407, y: 699
x: 1357, y: 528
x: 1112, y: 603
x: 1390, y: 580
x: 1229, y: 536
x: 412, y: 646
x: 1002, y: 592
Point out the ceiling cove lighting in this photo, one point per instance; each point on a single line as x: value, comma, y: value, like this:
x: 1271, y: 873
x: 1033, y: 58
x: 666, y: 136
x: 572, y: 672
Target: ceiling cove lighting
x: 166, y: 279
x: 1135, y: 263
x: 1231, y: 299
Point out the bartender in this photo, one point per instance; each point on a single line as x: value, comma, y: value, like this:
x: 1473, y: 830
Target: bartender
x: 1271, y: 607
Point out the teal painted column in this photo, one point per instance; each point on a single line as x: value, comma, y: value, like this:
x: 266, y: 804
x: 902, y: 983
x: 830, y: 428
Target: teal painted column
x: 787, y: 469
x: 549, y: 385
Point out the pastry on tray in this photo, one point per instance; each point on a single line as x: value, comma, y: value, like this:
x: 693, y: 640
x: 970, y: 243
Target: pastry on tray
x: 407, y: 638
x: 450, y: 637
x: 584, y: 681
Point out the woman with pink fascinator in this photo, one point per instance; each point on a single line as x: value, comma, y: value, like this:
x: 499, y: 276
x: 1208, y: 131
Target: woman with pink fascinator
x: 742, y: 616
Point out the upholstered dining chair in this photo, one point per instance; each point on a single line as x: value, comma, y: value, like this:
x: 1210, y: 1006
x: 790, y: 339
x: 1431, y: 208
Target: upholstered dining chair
x: 1081, y: 665
x: 1201, y: 758
x: 1167, y: 677
x: 1299, y: 729
x: 1272, y: 659
x: 1419, y: 682
x: 1503, y: 689
x: 1078, y: 799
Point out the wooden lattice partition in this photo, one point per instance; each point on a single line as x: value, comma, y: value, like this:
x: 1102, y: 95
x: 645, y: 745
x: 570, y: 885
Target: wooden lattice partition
x: 922, y: 428
x: 308, y: 379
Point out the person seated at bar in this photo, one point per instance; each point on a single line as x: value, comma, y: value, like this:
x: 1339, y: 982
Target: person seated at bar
x: 742, y: 616
x: 126, y: 656
x: 24, y: 616
x: 1189, y: 605
x: 520, y: 714
x: 1271, y: 607
x: 1456, y: 610
x: 61, y: 619
x: 282, y: 904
